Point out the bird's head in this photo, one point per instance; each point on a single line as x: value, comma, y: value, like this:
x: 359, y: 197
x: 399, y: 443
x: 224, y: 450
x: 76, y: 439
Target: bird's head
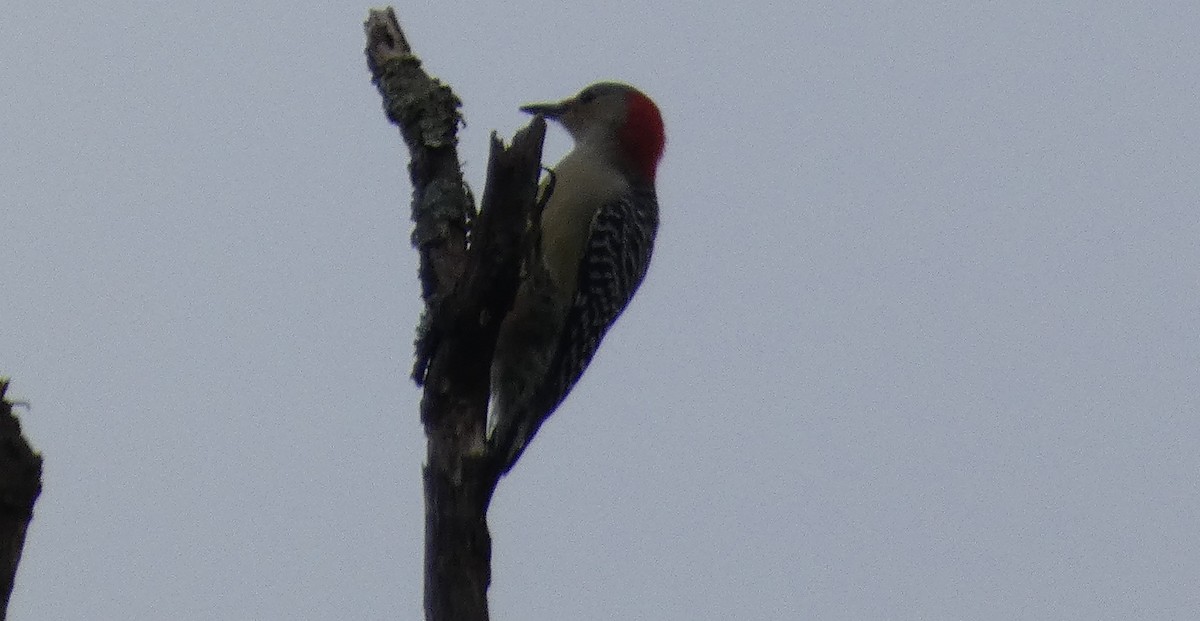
x: 615, y: 118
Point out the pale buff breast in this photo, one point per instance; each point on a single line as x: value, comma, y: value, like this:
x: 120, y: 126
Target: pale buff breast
x: 581, y: 188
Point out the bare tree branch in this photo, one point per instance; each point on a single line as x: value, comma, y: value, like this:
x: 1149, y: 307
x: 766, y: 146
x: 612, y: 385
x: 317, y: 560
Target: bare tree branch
x: 469, y: 271
x: 442, y: 207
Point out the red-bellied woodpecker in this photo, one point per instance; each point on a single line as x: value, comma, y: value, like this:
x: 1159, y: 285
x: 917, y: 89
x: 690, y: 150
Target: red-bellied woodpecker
x: 598, y: 230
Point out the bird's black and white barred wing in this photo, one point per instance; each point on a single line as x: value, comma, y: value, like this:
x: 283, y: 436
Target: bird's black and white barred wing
x: 614, y: 263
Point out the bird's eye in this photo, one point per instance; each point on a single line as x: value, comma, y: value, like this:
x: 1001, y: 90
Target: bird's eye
x: 586, y: 97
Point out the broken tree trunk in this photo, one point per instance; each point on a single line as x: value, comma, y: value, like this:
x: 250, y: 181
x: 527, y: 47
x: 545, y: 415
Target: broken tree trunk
x: 469, y: 271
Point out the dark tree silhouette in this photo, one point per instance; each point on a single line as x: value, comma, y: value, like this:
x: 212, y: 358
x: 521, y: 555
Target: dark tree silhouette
x: 20, y: 485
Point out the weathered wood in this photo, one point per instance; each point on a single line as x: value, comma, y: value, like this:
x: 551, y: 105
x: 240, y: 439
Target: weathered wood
x: 469, y: 271
x: 442, y: 208
x: 459, y: 476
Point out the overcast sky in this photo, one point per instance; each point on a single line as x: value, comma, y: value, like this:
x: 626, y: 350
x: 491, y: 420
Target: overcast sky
x: 921, y: 339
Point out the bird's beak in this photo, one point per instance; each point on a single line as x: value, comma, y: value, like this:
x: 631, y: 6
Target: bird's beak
x: 549, y: 110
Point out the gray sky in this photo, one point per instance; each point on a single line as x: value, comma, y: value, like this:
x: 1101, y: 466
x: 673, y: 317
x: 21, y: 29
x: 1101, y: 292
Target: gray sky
x: 920, y: 340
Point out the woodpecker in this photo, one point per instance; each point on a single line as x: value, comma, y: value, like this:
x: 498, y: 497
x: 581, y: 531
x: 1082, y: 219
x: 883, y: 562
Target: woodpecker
x: 597, y: 233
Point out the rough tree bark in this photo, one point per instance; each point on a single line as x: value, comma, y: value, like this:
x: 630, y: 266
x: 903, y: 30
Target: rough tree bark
x: 469, y: 270
x: 20, y: 485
